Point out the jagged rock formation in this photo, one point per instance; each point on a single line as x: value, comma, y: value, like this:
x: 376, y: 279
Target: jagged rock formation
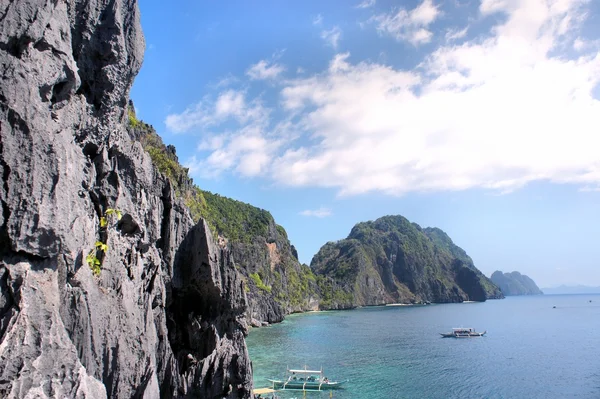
x: 275, y: 282
x: 165, y: 317
x: 515, y: 283
x: 392, y: 260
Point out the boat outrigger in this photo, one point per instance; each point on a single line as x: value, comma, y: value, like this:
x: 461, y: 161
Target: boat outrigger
x: 463, y: 333
x: 305, y: 380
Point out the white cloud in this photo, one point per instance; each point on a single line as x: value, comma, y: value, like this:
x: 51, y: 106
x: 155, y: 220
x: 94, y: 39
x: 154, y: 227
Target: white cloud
x: 226, y: 81
x: 193, y: 116
x: 332, y: 37
x: 455, y: 34
x: 265, y: 70
x: 230, y: 104
x: 366, y: 4
x: 318, y: 20
x: 411, y: 26
x: 580, y: 44
x: 318, y: 213
x: 245, y: 146
x: 496, y: 113
x: 247, y: 151
x: 488, y: 7
x: 211, y: 143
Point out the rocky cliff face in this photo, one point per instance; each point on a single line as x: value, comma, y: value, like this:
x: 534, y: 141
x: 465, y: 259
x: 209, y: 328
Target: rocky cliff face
x: 392, y: 260
x: 275, y: 282
x: 515, y: 283
x: 164, y: 316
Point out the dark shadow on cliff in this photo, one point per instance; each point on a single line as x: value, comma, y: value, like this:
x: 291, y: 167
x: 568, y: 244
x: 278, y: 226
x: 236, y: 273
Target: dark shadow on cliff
x: 205, y: 303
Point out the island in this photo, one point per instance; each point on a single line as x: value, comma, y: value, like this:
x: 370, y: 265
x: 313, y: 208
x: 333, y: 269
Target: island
x: 515, y: 283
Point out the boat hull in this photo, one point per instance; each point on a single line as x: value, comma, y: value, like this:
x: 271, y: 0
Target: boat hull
x: 461, y: 335
x: 305, y: 385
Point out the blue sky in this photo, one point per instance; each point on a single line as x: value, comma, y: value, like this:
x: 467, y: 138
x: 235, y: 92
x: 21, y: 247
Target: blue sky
x: 478, y: 117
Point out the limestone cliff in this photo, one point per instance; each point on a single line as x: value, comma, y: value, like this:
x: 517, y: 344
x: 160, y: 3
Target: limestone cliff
x: 515, y: 283
x: 392, y: 260
x: 93, y: 305
x: 275, y: 282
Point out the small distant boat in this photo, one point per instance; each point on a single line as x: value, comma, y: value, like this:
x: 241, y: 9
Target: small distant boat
x: 463, y: 333
x: 305, y: 380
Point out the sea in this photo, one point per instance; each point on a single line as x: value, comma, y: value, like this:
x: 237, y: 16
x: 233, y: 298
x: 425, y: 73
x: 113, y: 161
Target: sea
x: 545, y: 346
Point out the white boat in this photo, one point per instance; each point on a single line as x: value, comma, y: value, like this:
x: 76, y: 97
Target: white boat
x: 306, y: 380
x: 463, y: 333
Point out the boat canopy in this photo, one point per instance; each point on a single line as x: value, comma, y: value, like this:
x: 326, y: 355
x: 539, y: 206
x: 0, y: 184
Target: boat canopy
x: 306, y: 371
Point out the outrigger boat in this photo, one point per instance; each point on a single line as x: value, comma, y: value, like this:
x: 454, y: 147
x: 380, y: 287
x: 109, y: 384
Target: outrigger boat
x: 305, y: 380
x: 463, y: 333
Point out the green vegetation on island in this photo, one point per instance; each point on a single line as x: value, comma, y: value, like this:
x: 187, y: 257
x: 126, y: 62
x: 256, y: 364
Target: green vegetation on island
x: 393, y: 260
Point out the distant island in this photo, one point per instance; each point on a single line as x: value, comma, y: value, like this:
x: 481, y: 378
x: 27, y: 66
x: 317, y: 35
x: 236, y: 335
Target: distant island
x: 515, y: 283
x: 574, y: 289
x: 391, y: 260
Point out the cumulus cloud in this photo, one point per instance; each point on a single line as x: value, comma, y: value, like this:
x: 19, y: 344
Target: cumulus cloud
x: 230, y: 104
x: 332, y: 37
x: 264, y: 69
x: 246, y: 151
x: 409, y: 25
x: 318, y: 213
x: 495, y: 113
x: 244, y: 147
x: 317, y: 20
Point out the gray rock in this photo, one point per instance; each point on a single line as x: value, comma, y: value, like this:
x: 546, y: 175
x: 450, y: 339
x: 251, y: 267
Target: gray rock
x: 165, y: 317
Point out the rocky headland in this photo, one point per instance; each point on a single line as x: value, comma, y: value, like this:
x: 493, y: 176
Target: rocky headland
x: 391, y: 260
x: 515, y: 283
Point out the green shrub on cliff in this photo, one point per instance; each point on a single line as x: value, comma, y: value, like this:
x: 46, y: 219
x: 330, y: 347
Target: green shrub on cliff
x: 236, y: 220
x: 133, y: 121
x: 333, y: 296
x: 259, y: 283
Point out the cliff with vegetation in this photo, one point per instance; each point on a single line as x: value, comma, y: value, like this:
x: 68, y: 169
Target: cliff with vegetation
x: 109, y: 285
x: 515, y: 283
x: 276, y: 284
x: 391, y: 260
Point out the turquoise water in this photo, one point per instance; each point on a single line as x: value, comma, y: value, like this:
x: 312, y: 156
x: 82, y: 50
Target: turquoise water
x: 531, y: 350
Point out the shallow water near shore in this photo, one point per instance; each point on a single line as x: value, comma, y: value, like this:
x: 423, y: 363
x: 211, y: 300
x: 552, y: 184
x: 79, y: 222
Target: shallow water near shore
x: 531, y: 350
